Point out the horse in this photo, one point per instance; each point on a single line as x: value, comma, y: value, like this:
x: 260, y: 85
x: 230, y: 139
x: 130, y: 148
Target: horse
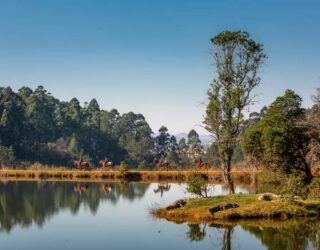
x: 200, y: 164
x: 162, y: 189
x: 81, y: 165
x: 106, y: 164
x: 162, y: 164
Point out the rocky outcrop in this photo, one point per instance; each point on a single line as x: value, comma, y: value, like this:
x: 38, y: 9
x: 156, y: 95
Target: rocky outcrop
x: 223, y: 206
x: 267, y: 197
x: 176, y: 204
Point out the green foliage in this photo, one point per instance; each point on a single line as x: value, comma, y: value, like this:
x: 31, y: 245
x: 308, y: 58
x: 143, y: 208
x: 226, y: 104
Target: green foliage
x: 41, y: 128
x: 7, y: 158
x: 314, y: 189
x: 194, y: 143
x: 238, y: 59
x: 123, y: 168
x: 174, y: 158
x: 295, y: 186
x: 276, y: 140
x: 197, y: 185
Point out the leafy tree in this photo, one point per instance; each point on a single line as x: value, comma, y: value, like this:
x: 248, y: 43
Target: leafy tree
x: 238, y: 59
x: 276, y: 140
x: 182, y: 144
x: 198, y: 185
x: 162, y: 143
x: 194, y: 143
x: 135, y: 136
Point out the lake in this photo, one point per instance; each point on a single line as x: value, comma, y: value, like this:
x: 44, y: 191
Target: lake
x: 66, y: 215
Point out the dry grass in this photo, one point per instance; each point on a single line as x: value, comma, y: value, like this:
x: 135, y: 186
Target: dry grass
x: 213, y: 175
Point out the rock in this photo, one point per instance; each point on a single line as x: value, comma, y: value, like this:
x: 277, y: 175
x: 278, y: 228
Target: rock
x: 176, y: 204
x: 268, y: 196
x: 223, y: 206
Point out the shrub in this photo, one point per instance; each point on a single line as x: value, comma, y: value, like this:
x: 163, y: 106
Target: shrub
x: 198, y: 185
x: 123, y: 168
x: 295, y: 186
x: 314, y: 188
x: 36, y: 166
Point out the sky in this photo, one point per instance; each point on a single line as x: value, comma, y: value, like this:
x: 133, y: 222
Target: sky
x: 153, y: 57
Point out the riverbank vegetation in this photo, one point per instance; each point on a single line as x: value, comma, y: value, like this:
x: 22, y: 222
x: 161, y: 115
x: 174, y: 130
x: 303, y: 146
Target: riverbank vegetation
x: 38, y: 172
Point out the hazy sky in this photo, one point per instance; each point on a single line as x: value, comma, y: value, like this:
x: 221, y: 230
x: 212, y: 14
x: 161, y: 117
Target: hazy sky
x: 152, y: 57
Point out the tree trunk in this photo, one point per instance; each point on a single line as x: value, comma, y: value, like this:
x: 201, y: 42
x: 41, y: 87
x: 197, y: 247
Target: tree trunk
x: 226, y: 243
x: 308, y: 174
x: 227, y: 176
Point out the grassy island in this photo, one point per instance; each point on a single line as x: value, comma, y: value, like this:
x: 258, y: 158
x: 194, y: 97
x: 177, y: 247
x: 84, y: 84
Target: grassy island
x: 250, y: 207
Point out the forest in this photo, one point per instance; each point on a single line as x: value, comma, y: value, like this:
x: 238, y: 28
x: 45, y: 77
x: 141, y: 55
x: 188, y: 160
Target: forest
x: 37, y: 127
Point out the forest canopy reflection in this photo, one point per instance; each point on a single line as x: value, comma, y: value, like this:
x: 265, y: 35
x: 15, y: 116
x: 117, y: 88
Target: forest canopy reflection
x: 24, y: 203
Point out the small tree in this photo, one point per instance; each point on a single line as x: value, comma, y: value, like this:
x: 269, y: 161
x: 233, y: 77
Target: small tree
x: 238, y: 59
x: 198, y: 185
x: 123, y: 168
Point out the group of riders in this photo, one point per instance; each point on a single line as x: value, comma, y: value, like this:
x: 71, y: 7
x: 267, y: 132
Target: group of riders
x: 159, y: 164
x: 84, y: 165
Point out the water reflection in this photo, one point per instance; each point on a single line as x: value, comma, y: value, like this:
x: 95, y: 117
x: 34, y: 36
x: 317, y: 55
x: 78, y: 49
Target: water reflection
x: 67, y: 210
x: 274, y: 235
x: 162, y: 188
x: 23, y: 203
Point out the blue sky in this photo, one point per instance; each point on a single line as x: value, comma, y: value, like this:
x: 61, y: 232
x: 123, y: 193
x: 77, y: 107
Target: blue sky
x: 152, y: 57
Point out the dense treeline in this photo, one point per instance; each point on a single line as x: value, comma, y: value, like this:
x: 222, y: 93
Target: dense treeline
x: 285, y: 136
x: 37, y: 127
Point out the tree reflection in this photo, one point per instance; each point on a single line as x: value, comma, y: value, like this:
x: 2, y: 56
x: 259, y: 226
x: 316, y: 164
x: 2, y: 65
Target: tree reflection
x: 24, y: 203
x: 274, y: 235
x: 196, y: 232
x: 162, y: 188
x: 293, y: 235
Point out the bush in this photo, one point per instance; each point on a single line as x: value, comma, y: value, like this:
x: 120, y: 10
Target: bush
x: 314, y: 188
x: 198, y: 185
x: 36, y: 166
x: 123, y: 168
x: 295, y: 186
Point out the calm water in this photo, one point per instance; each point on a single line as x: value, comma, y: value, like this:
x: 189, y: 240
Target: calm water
x: 115, y: 216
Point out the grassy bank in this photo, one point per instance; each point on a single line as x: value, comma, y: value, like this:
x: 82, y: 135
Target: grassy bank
x: 197, y: 210
x: 214, y: 176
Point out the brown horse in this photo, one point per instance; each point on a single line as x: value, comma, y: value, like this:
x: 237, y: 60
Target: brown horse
x: 106, y: 164
x: 162, y: 188
x: 81, y: 165
x: 201, y: 165
x: 162, y: 164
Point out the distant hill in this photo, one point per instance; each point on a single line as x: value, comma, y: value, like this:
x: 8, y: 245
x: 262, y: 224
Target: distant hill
x: 205, y: 139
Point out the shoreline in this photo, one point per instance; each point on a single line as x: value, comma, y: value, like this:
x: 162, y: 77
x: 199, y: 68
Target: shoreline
x: 213, y: 176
